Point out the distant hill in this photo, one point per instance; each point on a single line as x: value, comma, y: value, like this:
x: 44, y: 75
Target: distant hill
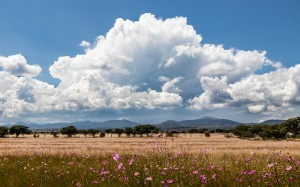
x: 204, y: 122
x: 112, y: 124
x: 272, y: 121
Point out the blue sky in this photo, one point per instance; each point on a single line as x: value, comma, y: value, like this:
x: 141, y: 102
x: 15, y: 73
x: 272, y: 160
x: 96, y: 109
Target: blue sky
x: 43, y: 31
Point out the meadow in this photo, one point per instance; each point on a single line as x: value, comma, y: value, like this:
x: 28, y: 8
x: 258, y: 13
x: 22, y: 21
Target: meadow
x: 187, y: 160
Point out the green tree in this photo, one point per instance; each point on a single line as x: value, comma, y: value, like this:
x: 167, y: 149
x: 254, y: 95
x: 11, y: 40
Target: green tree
x: 93, y: 132
x: 292, y: 125
x: 3, y: 131
x: 69, y: 130
x: 109, y: 131
x: 119, y: 131
x: 145, y: 129
x: 19, y: 129
x: 128, y: 131
x: 54, y: 134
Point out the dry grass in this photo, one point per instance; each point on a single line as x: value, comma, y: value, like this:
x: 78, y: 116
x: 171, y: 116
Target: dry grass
x: 194, y: 144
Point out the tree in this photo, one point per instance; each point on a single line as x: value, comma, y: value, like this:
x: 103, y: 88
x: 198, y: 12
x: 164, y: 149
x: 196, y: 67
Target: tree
x: 93, y: 132
x: 102, y: 135
x: 292, y: 125
x: 55, y: 134
x: 69, y: 130
x: 19, y: 129
x: 84, y: 132
x: 145, y: 129
x: 119, y: 132
x: 128, y: 131
x: 109, y: 131
x: 3, y: 131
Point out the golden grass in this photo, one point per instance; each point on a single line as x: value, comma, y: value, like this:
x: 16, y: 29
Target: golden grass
x: 193, y: 144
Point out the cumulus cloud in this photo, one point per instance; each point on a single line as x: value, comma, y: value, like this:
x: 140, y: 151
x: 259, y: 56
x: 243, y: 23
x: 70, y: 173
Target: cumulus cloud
x: 150, y: 64
x: 17, y: 65
x: 269, y: 92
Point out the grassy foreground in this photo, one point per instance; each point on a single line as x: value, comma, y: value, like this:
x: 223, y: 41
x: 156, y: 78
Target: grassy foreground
x: 155, y: 166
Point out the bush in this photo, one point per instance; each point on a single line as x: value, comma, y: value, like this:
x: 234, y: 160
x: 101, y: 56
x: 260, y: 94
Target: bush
x: 102, y: 135
x: 207, y: 134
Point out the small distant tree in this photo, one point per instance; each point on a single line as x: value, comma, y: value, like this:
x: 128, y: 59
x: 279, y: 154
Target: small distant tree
x: 70, y: 130
x: 102, y: 135
x: 192, y: 131
x: 93, y: 132
x: 207, y: 134
x: 119, y: 132
x: 19, y: 129
x: 109, y: 131
x: 128, y: 131
x: 54, y: 134
x: 84, y: 132
x: 145, y: 129
x: 3, y: 131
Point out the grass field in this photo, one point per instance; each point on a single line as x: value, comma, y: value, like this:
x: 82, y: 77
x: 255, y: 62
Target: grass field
x: 187, y: 160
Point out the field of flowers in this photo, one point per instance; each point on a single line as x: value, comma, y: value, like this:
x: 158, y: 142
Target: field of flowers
x: 159, y: 162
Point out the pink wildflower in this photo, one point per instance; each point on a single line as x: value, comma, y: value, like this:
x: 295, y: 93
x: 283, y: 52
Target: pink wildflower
x: 120, y: 165
x: 203, y: 178
x: 270, y: 165
x: 289, y: 168
x: 214, y: 176
x: 149, y: 179
x: 116, y: 157
x: 195, y: 172
x: 136, y: 174
x: 170, y: 181
x: 238, y: 180
x: 251, y: 172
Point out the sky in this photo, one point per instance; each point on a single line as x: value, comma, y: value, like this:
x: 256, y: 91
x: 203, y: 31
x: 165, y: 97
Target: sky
x: 149, y: 61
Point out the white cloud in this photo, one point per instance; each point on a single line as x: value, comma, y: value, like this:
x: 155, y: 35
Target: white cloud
x: 269, y: 92
x: 150, y: 64
x: 17, y: 65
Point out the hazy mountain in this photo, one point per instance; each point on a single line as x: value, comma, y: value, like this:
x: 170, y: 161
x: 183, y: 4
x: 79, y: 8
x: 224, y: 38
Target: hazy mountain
x: 84, y: 125
x: 204, y: 122
x: 272, y: 121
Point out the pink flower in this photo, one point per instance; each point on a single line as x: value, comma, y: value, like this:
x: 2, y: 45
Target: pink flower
x: 195, y: 172
x: 116, y: 157
x: 243, y: 172
x: 270, y: 165
x: 136, y: 174
x: 214, y: 176
x: 95, y: 181
x: 149, y: 179
x: 251, y: 172
x: 131, y: 161
x: 120, y: 165
x: 203, y: 178
x: 104, y: 162
x: 289, y: 168
x: 163, y: 173
x: 170, y: 181
x: 238, y: 180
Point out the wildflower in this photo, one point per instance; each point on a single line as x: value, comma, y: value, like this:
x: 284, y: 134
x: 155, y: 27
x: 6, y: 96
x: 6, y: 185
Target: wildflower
x: 195, y: 172
x: 95, y: 182
x: 120, y: 165
x: 203, y: 178
x: 170, y: 181
x: 149, y: 179
x: 214, y: 176
x: 251, y: 172
x: 116, y: 157
x: 131, y: 161
x: 163, y: 173
x: 289, y: 168
x: 136, y: 174
x: 243, y: 172
x: 104, y: 162
x: 267, y: 175
x: 270, y: 165
x: 238, y: 180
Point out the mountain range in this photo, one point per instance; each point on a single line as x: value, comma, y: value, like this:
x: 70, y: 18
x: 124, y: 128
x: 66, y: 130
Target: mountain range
x: 204, y: 122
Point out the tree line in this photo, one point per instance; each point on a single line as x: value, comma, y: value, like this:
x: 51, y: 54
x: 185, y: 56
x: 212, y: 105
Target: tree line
x: 287, y: 129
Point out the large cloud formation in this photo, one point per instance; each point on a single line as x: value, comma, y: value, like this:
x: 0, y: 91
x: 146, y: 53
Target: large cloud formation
x: 150, y: 64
